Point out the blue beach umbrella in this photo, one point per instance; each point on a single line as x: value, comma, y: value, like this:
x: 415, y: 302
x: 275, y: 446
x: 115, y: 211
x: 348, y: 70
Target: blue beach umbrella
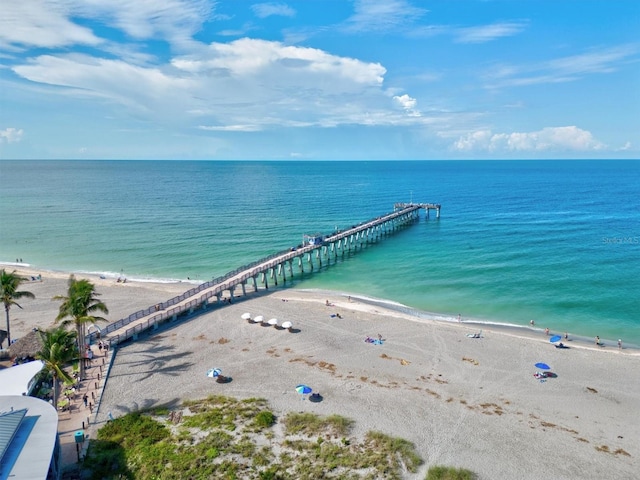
x: 303, y: 389
x: 555, y: 338
x: 214, y: 372
x: 542, y: 366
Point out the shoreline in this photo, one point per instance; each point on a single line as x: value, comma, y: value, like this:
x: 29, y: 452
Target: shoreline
x: 177, y: 287
x: 517, y: 331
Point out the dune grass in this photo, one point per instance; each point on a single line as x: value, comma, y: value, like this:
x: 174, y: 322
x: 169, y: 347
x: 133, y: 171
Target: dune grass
x: 440, y: 472
x: 224, y: 438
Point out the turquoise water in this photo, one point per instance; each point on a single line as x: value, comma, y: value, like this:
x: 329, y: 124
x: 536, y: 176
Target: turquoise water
x: 558, y: 242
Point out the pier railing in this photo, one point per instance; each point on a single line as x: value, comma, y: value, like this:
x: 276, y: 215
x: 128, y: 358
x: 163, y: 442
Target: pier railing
x: 175, y: 306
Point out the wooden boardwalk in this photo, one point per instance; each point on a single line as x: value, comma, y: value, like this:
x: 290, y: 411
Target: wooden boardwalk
x: 272, y: 267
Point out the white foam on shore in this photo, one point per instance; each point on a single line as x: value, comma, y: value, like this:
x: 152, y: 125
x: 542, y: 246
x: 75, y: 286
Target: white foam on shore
x: 103, y: 275
x: 524, y: 331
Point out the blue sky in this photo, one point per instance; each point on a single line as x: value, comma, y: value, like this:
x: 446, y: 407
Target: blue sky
x: 319, y: 79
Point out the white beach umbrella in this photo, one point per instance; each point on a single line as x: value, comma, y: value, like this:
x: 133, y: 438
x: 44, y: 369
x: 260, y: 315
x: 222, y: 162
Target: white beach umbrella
x: 258, y: 319
x: 273, y: 322
x: 246, y: 316
x: 287, y: 324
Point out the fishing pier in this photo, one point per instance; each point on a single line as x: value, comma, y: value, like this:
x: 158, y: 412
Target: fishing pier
x: 314, y: 251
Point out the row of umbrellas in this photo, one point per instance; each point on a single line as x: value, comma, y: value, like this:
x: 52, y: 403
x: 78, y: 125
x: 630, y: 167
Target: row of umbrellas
x: 260, y: 319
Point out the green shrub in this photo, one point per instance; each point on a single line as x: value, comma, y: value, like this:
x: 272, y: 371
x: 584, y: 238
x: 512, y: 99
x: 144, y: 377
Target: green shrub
x: 440, y: 472
x: 265, y: 419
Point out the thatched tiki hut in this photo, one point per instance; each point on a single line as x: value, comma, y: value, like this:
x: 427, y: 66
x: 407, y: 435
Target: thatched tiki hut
x: 27, y: 346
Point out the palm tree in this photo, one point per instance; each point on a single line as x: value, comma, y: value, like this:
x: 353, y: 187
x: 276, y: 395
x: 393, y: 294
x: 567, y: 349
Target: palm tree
x: 9, y: 285
x: 58, y: 349
x: 78, y: 307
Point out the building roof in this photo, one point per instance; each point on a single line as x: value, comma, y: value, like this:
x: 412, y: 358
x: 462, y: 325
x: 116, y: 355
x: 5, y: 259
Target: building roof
x: 27, y: 346
x: 28, y: 434
x: 9, y: 424
x: 17, y: 380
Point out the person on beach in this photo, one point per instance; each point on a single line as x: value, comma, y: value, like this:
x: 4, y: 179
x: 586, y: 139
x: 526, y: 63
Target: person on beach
x: 597, y: 340
x: 620, y: 343
x: 532, y: 323
x: 459, y: 317
x: 566, y: 336
x: 546, y: 331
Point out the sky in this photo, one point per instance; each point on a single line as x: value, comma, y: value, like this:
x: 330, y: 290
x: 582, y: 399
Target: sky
x: 319, y: 79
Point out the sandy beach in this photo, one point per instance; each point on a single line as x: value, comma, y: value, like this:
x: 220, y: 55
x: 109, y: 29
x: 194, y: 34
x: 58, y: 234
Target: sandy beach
x: 465, y: 402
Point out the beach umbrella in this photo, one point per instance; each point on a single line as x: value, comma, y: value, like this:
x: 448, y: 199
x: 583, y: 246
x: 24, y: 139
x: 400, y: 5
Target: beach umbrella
x: 214, y: 372
x: 287, y: 324
x: 258, y: 319
x: 555, y: 338
x: 273, y: 322
x: 542, y: 366
x: 303, y: 389
x: 246, y: 316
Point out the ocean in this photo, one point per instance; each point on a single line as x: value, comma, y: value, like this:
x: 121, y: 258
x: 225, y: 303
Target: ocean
x: 553, y: 241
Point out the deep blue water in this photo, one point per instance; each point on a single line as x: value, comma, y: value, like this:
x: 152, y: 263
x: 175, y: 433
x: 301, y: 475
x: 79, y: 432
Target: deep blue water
x: 558, y: 242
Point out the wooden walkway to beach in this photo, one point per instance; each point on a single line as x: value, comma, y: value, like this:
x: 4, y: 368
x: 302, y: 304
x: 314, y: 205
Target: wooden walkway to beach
x: 311, y: 253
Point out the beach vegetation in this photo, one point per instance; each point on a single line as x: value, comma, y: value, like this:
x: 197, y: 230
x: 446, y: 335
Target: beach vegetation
x: 439, y: 472
x: 265, y: 419
x: 78, y: 308
x: 220, y: 437
x: 311, y: 424
x: 9, y: 293
x: 58, y: 350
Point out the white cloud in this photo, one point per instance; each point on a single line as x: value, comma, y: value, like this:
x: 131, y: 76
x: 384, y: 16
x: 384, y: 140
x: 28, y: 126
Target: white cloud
x: 244, y: 85
x: 51, y: 23
x: 406, y: 101
x: 263, y: 10
x: 569, y: 138
x: 382, y: 15
x: 38, y: 23
x: 246, y: 57
x: 139, y: 88
x: 175, y: 21
x: 487, y: 33
x: 408, y: 104
x: 11, y: 135
x: 565, y: 69
x: 230, y: 128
